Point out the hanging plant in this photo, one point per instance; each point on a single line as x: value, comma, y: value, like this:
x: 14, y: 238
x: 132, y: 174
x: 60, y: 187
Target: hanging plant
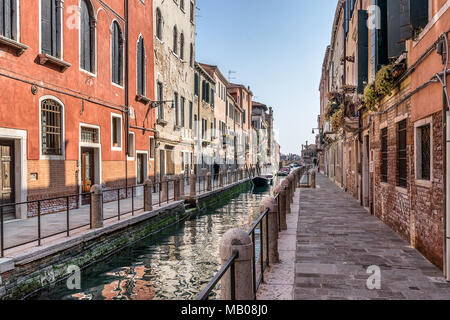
x: 332, y: 107
x: 384, y: 81
x: 337, y: 120
x: 370, y: 97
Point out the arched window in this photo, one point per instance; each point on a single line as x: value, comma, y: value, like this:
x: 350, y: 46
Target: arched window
x: 182, y: 46
x: 175, y: 40
x: 140, y: 67
x: 191, y: 56
x: 87, y: 36
x: 117, y: 54
x: 8, y: 19
x: 51, y: 17
x: 159, y: 24
x: 51, y: 127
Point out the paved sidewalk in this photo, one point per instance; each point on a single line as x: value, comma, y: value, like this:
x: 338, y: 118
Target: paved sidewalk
x: 337, y: 241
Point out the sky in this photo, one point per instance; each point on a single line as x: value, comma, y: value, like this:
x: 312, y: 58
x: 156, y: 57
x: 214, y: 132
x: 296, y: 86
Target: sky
x: 276, y: 47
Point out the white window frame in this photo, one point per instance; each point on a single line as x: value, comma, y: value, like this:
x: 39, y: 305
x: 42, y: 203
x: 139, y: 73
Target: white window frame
x: 418, y: 153
x: 134, y: 147
x: 117, y: 116
x: 146, y: 171
x: 63, y: 130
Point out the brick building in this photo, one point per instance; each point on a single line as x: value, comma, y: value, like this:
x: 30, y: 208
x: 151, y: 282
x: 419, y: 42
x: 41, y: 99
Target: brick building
x: 76, y: 83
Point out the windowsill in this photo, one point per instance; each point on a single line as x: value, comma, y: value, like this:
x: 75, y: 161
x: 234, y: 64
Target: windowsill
x: 424, y: 183
x: 385, y: 184
x: 117, y: 85
x: 161, y: 122
x: 17, y: 46
x: 44, y: 58
x: 177, y: 127
x: 53, y: 158
x: 116, y: 148
x: 143, y: 99
x: 401, y: 190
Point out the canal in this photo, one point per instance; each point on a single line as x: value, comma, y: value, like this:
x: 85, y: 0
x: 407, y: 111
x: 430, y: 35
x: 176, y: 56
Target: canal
x: 175, y: 264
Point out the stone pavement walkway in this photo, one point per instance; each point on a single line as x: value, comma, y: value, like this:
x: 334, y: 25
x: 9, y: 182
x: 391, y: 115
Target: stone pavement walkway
x: 337, y: 240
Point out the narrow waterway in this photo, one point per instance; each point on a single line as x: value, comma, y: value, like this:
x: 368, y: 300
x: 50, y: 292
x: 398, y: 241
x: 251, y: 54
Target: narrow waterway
x: 175, y: 264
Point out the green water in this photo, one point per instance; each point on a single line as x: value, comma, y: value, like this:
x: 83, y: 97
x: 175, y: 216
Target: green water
x: 175, y: 264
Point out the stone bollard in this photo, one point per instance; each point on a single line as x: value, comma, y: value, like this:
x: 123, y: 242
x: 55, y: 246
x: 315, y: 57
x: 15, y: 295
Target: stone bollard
x: 148, y: 201
x: 271, y: 204
x: 281, y: 206
x: 228, y: 176
x: 164, y: 189
x: 285, y: 184
x: 192, y: 184
x: 220, y: 179
x: 313, y: 179
x: 235, y: 175
x: 181, y: 186
x: 239, y: 241
x: 96, y: 206
x: 291, y: 187
x: 208, y: 181
x: 241, y: 174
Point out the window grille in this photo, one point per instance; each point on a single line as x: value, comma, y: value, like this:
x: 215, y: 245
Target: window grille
x: 51, y: 127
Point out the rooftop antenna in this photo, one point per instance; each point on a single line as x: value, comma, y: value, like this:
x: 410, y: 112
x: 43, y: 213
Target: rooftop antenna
x: 229, y: 75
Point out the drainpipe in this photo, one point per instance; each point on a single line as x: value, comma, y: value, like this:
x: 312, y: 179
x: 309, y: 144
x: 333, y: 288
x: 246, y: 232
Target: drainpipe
x: 127, y: 118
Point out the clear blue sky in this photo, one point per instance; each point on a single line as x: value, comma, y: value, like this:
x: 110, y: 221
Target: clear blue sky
x: 277, y: 48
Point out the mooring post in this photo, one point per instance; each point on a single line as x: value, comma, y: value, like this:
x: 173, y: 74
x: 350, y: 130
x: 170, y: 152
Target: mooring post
x: 236, y: 175
x: 238, y: 241
x: 164, y: 189
x: 282, y: 205
x: 148, y: 204
x: 228, y: 176
x: 272, y: 228
x: 192, y: 184
x: 96, y: 206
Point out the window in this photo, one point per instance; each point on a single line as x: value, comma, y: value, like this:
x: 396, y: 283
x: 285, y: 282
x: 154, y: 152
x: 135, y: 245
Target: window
x: 50, y: 28
x: 175, y: 40
x: 384, y: 155
x: 117, y: 54
x: 159, y: 24
x: 197, y: 84
x: 140, y: 67
x: 116, y: 132
x: 159, y: 92
x: 401, y: 155
x: 8, y: 19
x: 204, y: 128
x: 182, y: 5
x: 87, y: 37
x: 51, y: 119
x: 195, y: 126
x: 192, y: 12
x: 152, y: 148
x: 175, y: 103
x: 182, y: 46
x: 423, y: 151
x: 191, y: 56
x: 182, y: 103
x: 190, y: 114
x: 212, y: 97
x: 89, y: 135
x: 131, y: 145
x: 211, y: 135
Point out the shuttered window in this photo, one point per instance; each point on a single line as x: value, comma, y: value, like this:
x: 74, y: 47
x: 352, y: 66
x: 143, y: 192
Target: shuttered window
x: 175, y: 102
x: 182, y: 46
x: 117, y: 53
x: 425, y: 152
x: 182, y: 111
x: 175, y: 40
x: 196, y: 84
x: 51, y: 127
x: 87, y: 37
x: 140, y: 67
x: 51, y: 28
x: 191, y: 56
x: 192, y: 12
x: 384, y: 155
x: 190, y: 114
x: 8, y: 16
x: 401, y: 155
x: 159, y: 24
x: 160, y: 98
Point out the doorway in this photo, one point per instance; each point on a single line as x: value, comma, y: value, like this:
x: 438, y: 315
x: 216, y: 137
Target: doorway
x: 7, y: 194
x: 87, y: 172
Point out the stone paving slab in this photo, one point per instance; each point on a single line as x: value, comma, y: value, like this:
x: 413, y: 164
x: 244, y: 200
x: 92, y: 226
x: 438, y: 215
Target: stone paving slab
x: 337, y: 240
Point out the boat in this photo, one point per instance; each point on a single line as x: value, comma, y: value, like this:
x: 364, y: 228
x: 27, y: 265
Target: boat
x: 262, y: 181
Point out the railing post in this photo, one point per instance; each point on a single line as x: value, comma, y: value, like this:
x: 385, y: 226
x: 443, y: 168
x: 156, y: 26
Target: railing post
x: 235, y: 174
x: 96, y: 206
x: 148, y: 205
x: 285, y: 184
x: 181, y: 189
x: 241, y: 174
x: 282, y: 206
x: 313, y: 179
x: 220, y: 179
x: 272, y: 227
x: 236, y: 240
x: 2, y: 233
x: 164, y: 189
x: 291, y: 178
x: 229, y: 176
x: 192, y: 185
x: 176, y: 188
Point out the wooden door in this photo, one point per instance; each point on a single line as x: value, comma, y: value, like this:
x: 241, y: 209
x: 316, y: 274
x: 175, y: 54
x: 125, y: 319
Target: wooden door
x: 7, y: 175
x: 87, y: 170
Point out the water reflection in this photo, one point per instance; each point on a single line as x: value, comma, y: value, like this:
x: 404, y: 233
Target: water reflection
x: 176, y: 264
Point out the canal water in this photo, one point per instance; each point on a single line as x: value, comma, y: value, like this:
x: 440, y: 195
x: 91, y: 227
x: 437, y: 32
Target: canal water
x: 175, y: 264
